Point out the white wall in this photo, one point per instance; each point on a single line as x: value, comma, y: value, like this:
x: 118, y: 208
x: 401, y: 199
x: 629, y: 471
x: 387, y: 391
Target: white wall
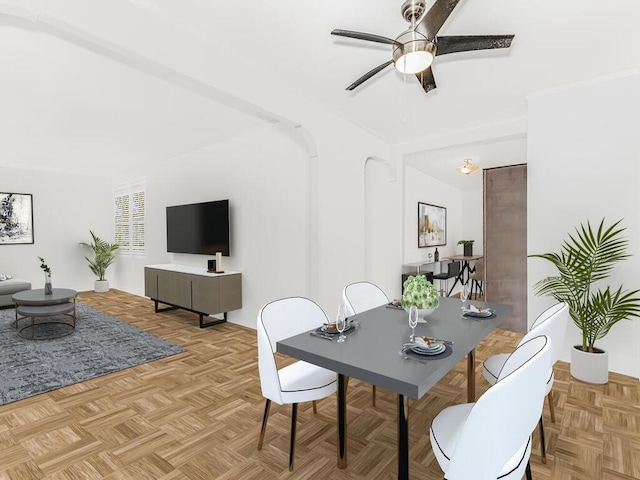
x: 264, y: 175
x: 65, y: 207
x: 583, y: 149
x: 420, y: 187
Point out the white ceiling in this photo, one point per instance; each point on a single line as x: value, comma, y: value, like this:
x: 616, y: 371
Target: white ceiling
x: 68, y: 107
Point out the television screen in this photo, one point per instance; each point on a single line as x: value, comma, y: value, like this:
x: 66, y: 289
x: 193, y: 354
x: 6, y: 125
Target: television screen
x: 201, y: 228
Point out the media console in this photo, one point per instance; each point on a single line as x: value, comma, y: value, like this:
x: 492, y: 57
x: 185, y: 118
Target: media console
x: 193, y: 289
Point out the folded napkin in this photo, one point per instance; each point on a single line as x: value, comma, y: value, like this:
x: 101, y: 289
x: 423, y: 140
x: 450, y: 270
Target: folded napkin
x: 476, y: 309
x: 427, y: 343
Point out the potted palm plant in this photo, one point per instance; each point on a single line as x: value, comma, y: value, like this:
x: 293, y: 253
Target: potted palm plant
x: 585, y: 260
x: 103, y: 257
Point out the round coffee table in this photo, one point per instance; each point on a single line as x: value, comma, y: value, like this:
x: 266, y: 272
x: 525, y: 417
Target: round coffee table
x: 37, y: 304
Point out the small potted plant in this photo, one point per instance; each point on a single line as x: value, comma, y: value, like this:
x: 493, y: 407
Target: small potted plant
x: 587, y: 258
x: 419, y: 292
x: 468, y: 247
x: 48, y: 290
x: 103, y: 257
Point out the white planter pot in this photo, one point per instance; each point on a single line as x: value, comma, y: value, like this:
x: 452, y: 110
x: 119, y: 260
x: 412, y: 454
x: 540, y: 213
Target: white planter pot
x: 101, y: 286
x: 590, y: 367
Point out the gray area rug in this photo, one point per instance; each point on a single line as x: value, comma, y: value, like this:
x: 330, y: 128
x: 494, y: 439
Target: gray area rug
x: 100, y: 345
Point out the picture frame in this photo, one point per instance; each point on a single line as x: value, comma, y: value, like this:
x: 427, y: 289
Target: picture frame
x: 16, y: 218
x: 432, y: 225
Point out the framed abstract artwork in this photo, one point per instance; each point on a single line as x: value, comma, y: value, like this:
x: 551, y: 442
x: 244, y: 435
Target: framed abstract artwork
x: 16, y: 218
x: 432, y: 225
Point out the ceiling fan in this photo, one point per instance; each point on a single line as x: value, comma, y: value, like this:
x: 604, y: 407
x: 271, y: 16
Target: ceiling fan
x: 415, y: 48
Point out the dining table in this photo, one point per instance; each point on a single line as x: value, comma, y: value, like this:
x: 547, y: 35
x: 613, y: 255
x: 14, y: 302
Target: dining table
x: 372, y: 353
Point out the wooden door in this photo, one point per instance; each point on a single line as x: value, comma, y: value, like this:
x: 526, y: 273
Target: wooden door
x: 505, y: 241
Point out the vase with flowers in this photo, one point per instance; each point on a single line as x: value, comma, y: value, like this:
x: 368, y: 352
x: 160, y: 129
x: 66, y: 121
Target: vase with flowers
x: 419, y: 292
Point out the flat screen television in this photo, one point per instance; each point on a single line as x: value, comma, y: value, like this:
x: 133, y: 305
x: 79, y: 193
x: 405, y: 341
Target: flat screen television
x: 200, y: 228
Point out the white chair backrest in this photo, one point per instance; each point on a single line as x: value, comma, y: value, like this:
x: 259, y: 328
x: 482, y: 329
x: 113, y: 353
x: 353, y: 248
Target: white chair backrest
x: 278, y: 320
x: 552, y: 323
x: 502, y: 419
x: 361, y: 296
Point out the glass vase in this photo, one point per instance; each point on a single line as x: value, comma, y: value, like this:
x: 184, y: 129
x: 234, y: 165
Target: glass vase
x: 48, y: 290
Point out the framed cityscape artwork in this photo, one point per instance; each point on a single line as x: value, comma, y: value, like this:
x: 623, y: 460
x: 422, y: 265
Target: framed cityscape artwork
x: 16, y: 218
x: 432, y: 225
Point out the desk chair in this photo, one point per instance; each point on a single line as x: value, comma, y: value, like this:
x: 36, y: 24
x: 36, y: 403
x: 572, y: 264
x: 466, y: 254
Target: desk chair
x: 359, y: 297
x: 477, y: 278
x: 453, y: 270
x: 552, y: 323
x: 491, y: 438
x: 300, y: 381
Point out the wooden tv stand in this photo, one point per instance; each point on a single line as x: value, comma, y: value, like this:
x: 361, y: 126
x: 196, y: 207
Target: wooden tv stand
x: 193, y: 289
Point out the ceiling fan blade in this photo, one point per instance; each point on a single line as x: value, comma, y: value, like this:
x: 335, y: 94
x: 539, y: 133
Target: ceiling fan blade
x: 369, y: 74
x: 426, y: 79
x: 431, y: 22
x: 465, y: 43
x: 365, y: 36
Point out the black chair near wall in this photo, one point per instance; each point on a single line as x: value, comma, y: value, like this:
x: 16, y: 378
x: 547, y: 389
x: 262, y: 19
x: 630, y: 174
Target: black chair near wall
x: 453, y: 270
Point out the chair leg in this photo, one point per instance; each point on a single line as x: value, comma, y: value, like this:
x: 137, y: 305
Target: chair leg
x: 264, y: 423
x: 542, y: 447
x: 292, y: 447
x: 315, y: 407
x: 373, y: 396
x: 551, y: 408
x: 528, y: 471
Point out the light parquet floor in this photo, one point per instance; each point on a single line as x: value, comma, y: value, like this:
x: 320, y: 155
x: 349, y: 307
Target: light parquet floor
x: 197, y: 415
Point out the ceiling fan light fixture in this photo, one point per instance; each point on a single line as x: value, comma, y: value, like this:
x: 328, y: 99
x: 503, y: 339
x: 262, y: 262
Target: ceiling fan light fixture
x: 416, y: 53
x: 468, y: 168
x: 414, y: 62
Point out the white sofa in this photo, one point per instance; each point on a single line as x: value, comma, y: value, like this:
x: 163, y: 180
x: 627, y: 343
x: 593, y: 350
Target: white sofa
x: 9, y: 287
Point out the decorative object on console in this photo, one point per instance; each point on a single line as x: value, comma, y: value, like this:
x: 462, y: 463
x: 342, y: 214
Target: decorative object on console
x: 48, y: 290
x: 586, y: 258
x: 16, y: 218
x: 436, y: 256
x: 468, y: 247
x: 103, y: 258
x: 420, y: 293
x: 432, y: 225
x: 218, y: 268
x: 211, y: 266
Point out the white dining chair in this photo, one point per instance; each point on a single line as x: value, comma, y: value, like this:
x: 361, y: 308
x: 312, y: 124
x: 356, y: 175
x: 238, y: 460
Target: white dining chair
x: 362, y: 296
x: 552, y: 323
x: 491, y: 438
x: 300, y: 381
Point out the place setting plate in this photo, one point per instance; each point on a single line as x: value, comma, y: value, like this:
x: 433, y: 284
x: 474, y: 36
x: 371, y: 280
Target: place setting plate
x: 426, y: 348
x: 331, y: 329
x: 477, y: 312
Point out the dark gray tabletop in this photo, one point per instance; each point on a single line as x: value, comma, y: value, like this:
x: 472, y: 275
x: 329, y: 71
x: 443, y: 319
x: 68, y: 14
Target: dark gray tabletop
x: 38, y: 297
x: 370, y: 353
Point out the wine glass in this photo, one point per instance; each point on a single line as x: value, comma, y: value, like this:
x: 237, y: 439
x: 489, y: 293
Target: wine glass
x: 464, y: 294
x: 341, y: 322
x: 413, y: 321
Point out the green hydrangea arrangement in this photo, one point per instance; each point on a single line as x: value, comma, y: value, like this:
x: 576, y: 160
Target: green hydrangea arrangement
x: 420, y: 292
